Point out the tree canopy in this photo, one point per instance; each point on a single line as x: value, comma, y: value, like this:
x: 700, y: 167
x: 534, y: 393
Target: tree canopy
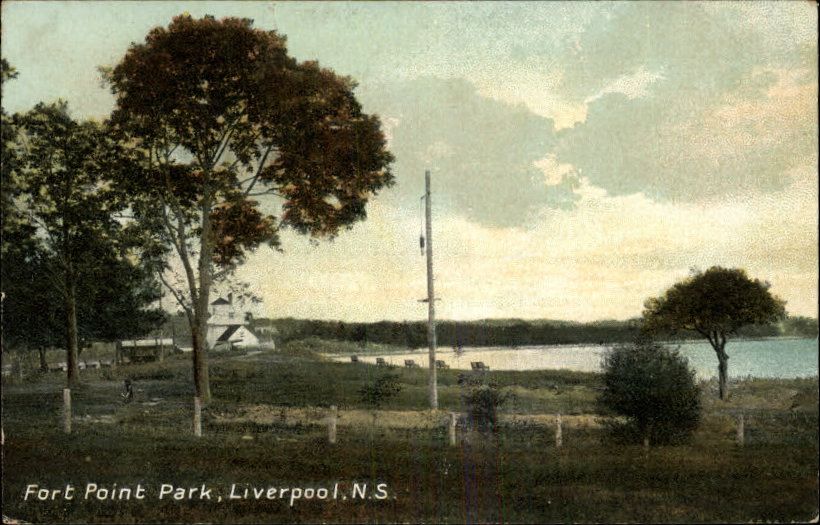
x: 247, y: 120
x: 717, y: 301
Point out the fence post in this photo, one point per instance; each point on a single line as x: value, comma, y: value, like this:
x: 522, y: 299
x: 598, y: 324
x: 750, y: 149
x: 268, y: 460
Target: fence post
x: 67, y: 410
x: 197, y: 417
x: 331, y: 425
x: 741, y: 433
x: 559, y: 435
x: 452, y: 429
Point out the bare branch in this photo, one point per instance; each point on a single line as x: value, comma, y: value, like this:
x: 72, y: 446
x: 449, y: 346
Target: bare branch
x: 180, y: 299
x: 259, y: 169
x: 266, y: 192
x: 223, y: 143
x: 184, y: 255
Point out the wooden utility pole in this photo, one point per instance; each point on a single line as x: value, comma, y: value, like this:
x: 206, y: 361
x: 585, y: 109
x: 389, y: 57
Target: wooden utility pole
x: 431, y: 296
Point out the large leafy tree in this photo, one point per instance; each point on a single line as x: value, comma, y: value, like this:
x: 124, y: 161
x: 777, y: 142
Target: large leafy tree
x: 12, y: 234
x: 228, y: 129
x: 29, y: 318
x: 65, y: 195
x: 715, y: 304
x: 9, y: 158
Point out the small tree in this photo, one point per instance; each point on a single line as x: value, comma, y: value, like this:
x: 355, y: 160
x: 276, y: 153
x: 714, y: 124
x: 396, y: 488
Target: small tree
x: 374, y: 395
x: 482, y: 399
x: 654, y: 388
x: 385, y: 387
x: 715, y: 304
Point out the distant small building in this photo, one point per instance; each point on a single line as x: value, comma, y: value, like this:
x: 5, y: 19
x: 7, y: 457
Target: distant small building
x: 146, y: 349
x: 227, y: 327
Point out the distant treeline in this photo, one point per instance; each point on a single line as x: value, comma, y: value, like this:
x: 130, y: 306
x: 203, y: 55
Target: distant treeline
x: 502, y: 332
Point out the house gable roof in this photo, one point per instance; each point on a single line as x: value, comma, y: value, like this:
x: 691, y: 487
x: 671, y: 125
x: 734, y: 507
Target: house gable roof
x: 221, y: 300
x: 229, y: 331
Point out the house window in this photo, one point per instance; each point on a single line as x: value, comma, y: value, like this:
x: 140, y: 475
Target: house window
x: 230, y: 315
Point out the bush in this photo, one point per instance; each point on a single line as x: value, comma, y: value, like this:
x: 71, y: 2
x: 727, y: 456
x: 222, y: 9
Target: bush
x: 654, y: 388
x: 376, y: 394
x: 482, y: 400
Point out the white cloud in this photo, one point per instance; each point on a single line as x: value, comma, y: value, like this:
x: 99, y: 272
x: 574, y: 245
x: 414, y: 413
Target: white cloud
x: 633, y: 85
x: 659, y: 100
x: 599, y: 260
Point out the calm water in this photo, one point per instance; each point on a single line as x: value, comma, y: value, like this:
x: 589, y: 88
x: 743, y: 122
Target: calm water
x: 765, y: 358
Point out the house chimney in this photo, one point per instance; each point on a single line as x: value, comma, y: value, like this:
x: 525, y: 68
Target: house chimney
x: 230, y: 298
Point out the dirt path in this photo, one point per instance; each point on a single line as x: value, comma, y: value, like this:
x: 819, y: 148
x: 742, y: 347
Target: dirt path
x: 266, y: 414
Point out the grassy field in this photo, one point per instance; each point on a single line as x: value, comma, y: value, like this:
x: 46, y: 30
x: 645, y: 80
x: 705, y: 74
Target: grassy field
x: 265, y: 428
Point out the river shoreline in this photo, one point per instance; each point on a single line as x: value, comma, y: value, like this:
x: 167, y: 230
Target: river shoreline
x: 764, y: 358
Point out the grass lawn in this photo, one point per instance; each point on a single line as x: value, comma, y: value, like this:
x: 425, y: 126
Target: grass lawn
x: 265, y: 429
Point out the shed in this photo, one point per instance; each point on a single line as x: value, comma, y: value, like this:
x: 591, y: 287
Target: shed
x: 148, y: 349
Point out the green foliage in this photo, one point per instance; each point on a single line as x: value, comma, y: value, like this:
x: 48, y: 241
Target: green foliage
x: 12, y: 224
x: 717, y: 301
x: 7, y: 71
x: 715, y: 304
x: 67, y: 274
x: 117, y: 300
x: 654, y: 388
x: 798, y: 326
x: 381, y: 390
x: 251, y: 121
x: 31, y: 304
x: 113, y: 300
x: 307, y: 348
x: 33, y: 309
x: 501, y: 332
x: 222, y: 125
x: 482, y: 399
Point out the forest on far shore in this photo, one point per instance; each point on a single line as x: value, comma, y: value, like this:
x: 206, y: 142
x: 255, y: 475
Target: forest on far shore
x: 496, y: 332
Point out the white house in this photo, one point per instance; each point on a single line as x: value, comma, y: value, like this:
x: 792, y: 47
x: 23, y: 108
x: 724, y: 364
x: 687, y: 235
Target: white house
x: 227, y: 326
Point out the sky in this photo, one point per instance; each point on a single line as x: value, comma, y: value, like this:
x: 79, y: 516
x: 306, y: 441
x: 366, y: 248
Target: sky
x: 584, y: 156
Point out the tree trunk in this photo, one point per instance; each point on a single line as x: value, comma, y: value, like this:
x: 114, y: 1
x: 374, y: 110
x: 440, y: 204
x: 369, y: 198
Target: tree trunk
x: 72, y: 342
x: 200, y: 362
x: 43, y: 363
x: 723, y: 373
x: 200, y: 330
x: 717, y: 339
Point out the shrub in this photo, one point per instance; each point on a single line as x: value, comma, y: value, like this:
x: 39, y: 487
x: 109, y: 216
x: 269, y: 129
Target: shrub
x: 482, y: 399
x: 654, y: 389
x: 385, y: 387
